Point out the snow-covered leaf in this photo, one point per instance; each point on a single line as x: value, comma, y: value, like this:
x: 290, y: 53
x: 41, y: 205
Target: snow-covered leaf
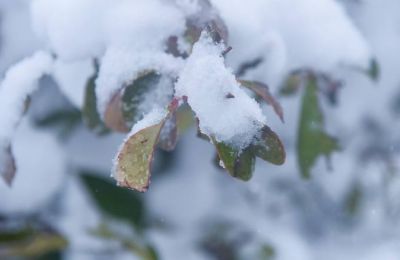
x: 262, y: 90
x: 19, y: 82
x: 269, y: 147
x: 312, y: 140
x: 133, y: 95
x: 132, y: 164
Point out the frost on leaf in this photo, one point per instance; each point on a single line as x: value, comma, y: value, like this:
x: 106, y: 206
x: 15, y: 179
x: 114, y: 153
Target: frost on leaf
x: 133, y: 161
x: 19, y: 82
x: 312, y: 139
x: 262, y: 90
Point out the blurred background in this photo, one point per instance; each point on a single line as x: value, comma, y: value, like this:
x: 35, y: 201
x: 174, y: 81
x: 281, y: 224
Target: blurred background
x: 64, y: 205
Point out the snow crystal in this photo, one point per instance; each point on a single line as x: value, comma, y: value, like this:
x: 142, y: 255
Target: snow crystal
x: 222, y: 107
x: 120, y: 66
x: 20, y: 81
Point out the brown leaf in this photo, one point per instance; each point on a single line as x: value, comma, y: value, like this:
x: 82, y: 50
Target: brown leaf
x: 262, y: 90
x: 7, y: 165
x: 113, y: 116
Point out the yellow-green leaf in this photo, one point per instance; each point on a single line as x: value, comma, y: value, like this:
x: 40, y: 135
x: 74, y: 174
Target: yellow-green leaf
x: 133, y: 162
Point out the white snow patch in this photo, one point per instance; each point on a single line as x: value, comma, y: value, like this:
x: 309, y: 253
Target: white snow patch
x: 120, y: 66
x: 19, y: 81
x: 222, y: 107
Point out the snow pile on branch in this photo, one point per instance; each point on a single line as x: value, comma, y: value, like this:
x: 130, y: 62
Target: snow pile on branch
x: 224, y: 110
x: 19, y: 82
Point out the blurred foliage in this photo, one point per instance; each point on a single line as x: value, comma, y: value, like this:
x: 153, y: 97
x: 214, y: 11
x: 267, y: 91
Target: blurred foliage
x: 115, y: 202
x: 312, y: 140
x: 30, y: 240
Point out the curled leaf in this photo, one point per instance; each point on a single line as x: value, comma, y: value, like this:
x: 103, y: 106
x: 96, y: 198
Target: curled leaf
x: 113, y: 116
x: 262, y: 90
x: 312, y: 139
x: 269, y: 147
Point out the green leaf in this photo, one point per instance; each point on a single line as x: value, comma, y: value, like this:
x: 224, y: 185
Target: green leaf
x: 118, y: 203
x: 134, y: 159
x: 90, y: 114
x: 269, y: 147
x: 292, y: 84
x: 312, y: 139
x: 239, y: 164
x: 374, y: 70
x: 262, y: 90
x: 133, y: 95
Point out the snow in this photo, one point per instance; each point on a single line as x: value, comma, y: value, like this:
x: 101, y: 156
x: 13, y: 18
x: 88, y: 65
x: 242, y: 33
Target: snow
x: 208, y: 84
x: 119, y: 67
x: 41, y: 169
x: 19, y: 82
x: 302, y: 220
x: 152, y: 118
x: 72, y: 78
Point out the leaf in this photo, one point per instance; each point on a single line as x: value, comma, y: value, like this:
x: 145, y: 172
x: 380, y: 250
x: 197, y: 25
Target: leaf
x: 134, y: 159
x: 119, y: 203
x: 292, y: 84
x: 7, y: 165
x: 30, y: 242
x: 269, y: 147
x: 312, y: 140
x: 132, y: 96
x: 90, y: 115
x: 113, y: 116
x: 374, y: 70
x: 169, y: 134
x: 239, y: 164
x: 263, y: 91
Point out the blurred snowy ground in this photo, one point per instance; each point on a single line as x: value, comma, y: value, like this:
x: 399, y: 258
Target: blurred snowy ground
x: 298, y: 219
